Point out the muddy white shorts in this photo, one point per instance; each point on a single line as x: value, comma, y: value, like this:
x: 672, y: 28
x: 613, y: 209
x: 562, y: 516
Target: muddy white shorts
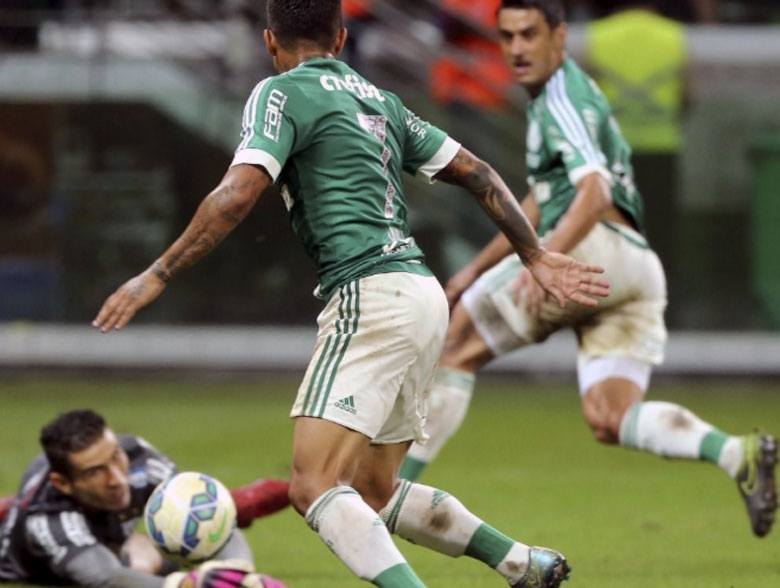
x: 629, y: 323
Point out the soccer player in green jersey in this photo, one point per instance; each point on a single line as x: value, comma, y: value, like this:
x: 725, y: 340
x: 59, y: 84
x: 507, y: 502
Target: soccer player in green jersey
x: 337, y: 145
x: 584, y: 203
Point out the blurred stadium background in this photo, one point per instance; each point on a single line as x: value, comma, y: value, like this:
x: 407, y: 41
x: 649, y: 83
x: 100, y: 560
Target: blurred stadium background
x: 118, y: 116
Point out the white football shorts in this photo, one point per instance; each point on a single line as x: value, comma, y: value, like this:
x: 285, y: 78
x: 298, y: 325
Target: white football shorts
x: 378, y: 343
x: 629, y: 323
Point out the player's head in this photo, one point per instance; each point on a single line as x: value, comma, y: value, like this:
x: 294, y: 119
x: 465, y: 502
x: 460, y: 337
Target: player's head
x: 86, y: 461
x: 300, y: 28
x: 532, y: 35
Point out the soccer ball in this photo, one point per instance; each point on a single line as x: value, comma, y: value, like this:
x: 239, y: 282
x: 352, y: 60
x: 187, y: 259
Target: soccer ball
x: 190, y: 516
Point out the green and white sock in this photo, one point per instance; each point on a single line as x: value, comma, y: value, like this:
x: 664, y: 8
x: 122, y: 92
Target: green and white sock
x: 671, y: 430
x: 359, y: 538
x: 448, y: 403
x: 432, y: 518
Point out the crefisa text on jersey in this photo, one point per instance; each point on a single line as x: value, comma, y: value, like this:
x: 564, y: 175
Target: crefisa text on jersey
x: 350, y: 83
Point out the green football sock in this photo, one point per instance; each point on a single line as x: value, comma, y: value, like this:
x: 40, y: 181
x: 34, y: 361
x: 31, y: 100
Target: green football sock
x: 399, y: 576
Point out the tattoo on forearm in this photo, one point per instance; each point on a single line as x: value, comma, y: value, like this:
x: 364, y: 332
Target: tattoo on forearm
x: 495, y: 198
x: 159, y: 271
x: 218, y: 214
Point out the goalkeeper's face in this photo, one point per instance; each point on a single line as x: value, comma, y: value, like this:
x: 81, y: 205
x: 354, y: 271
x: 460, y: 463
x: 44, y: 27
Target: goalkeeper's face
x: 531, y: 48
x: 98, y: 477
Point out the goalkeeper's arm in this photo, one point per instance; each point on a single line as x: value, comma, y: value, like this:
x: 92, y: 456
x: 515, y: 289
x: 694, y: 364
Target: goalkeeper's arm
x: 98, y: 567
x: 255, y: 500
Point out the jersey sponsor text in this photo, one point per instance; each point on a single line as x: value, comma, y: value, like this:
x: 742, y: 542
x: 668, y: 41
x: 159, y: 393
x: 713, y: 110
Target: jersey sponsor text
x: 350, y: 83
x: 273, y: 114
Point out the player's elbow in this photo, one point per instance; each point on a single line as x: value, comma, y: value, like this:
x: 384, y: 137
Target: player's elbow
x: 595, y: 188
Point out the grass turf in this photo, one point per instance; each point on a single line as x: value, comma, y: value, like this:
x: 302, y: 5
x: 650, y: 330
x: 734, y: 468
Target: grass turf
x: 524, y: 461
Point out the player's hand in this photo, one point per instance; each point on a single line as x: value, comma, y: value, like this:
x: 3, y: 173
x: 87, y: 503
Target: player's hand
x: 131, y: 297
x: 528, y: 292
x: 568, y: 279
x: 459, y: 283
x: 230, y: 573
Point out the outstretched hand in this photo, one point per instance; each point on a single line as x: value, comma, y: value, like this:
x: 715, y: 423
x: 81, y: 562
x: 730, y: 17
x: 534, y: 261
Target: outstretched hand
x: 566, y: 279
x: 129, y: 298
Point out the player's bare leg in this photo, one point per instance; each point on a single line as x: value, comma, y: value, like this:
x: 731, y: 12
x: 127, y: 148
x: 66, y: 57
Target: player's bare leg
x: 606, y: 403
x: 616, y: 413
x: 326, y: 457
x: 432, y: 518
x: 465, y: 353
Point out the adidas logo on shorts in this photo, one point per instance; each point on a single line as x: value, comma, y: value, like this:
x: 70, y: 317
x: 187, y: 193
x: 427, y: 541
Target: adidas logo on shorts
x: 347, y: 403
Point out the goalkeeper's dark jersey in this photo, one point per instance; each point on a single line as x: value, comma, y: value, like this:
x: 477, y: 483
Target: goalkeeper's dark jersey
x: 45, y: 529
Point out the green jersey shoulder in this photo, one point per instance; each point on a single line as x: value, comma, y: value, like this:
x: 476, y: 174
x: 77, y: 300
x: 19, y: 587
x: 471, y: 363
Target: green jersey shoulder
x: 572, y: 133
x: 338, y: 145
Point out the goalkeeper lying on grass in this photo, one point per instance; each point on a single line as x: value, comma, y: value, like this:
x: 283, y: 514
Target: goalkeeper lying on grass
x: 73, y: 520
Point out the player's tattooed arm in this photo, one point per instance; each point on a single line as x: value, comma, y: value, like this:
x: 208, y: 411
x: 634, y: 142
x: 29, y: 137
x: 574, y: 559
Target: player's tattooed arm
x: 562, y: 277
x: 496, y: 199
x: 219, y: 213
x: 216, y: 217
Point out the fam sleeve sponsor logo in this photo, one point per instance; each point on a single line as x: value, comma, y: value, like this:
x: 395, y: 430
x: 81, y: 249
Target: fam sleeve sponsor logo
x: 272, y: 120
x: 353, y: 84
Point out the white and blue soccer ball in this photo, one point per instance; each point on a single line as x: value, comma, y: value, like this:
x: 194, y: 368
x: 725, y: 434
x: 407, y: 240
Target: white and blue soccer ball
x: 190, y: 516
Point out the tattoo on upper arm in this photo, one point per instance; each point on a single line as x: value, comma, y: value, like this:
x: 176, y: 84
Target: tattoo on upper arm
x: 479, y: 179
x: 494, y: 196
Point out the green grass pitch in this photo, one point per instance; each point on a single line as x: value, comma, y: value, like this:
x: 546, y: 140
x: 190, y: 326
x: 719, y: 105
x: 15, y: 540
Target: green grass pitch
x: 524, y: 461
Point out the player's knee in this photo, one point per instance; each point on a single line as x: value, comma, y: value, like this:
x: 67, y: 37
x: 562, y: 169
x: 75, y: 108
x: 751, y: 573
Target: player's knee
x: 304, y: 490
x: 376, y: 494
x: 604, y: 422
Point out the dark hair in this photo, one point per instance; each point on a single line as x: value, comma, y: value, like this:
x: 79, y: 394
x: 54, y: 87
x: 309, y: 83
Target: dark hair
x: 552, y: 10
x: 292, y: 21
x: 70, y: 433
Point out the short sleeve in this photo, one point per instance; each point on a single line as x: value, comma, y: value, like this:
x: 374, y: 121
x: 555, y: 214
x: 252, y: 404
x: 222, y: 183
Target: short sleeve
x: 267, y: 129
x: 427, y: 149
x: 58, y: 537
x: 567, y: 134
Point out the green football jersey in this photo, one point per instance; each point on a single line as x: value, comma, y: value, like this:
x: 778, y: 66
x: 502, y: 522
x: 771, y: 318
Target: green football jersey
x: 572, y: 133
x: 337, y: 146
